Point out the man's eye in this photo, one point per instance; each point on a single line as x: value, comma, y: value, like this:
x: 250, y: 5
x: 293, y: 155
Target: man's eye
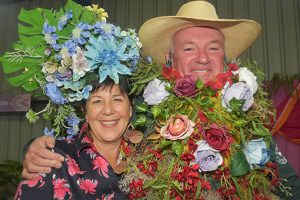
x: 188, y: 49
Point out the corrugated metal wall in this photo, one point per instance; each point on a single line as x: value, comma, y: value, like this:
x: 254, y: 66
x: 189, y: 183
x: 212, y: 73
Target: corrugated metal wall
x: 276, y: 50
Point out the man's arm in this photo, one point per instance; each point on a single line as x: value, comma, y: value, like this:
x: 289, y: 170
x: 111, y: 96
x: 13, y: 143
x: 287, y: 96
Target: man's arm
x: 39, y: 159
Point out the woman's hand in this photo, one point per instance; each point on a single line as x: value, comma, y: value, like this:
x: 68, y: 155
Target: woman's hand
x: 39, y: 158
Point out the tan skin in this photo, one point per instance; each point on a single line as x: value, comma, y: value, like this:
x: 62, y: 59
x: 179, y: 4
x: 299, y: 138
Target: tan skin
x: 108, y: 112
x: 196, y: 51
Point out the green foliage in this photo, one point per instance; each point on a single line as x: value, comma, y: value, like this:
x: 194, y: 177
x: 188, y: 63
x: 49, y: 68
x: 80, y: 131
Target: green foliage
x: 10, y: 176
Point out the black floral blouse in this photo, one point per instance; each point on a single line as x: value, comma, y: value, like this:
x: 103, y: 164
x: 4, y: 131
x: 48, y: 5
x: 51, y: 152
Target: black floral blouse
x: 84, y: 174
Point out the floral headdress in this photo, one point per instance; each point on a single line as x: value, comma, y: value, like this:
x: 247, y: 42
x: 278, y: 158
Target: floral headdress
x: 61, y: 52
x: 202, y: 141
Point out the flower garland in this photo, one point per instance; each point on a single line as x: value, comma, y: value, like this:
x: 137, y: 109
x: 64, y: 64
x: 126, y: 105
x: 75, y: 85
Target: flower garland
x: 202, y: 141
x: 62, y: 52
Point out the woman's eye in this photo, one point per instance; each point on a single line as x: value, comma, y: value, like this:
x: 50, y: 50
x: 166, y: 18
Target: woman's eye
x: 118, y: 100
x: 96, y: 101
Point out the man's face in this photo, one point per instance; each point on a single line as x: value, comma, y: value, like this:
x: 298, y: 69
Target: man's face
x: 199, y: 52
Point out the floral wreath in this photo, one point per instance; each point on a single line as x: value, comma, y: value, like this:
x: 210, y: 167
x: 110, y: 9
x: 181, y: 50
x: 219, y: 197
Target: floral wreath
x: 62, y: 52
x: 203, y: 141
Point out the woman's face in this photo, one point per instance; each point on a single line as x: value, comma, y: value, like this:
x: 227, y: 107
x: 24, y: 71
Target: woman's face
x: 108, y: 112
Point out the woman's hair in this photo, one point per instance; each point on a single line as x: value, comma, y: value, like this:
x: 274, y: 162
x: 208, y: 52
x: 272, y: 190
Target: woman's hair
x: 108, y: 83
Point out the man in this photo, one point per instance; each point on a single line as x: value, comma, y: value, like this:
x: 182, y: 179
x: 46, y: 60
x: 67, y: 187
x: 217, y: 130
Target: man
x: 197, y: 43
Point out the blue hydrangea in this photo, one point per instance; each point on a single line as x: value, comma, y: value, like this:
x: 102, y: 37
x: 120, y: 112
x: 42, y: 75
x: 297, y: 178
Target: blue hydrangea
x: 104, y: 29
x: 49, y: 132
x: 54, y: 93
x: 63, y: 20
x: 86, y: 91
x: 81, y: 33
x: 50, y: 35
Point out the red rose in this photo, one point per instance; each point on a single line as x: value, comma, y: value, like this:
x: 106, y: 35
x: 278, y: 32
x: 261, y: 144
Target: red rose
x: 217, y: 138
x: 185, y: 87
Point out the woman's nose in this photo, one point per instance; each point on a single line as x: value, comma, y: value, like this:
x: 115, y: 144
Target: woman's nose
x: 108, y: 108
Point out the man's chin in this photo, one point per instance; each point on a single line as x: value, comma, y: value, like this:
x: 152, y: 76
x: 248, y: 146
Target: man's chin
x: 203, y: 78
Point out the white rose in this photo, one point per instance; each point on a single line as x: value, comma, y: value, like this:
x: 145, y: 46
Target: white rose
x: 240, y: 91
x: 155, y: 92
x: 248, y: 77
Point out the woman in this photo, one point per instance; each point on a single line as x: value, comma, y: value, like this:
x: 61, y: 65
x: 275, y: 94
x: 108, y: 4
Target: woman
x: 90, y: 158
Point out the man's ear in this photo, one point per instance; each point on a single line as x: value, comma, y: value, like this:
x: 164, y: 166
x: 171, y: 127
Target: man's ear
x: 169, y: 61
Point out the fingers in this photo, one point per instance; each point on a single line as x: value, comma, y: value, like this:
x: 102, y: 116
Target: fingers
x: 29, y: 176
x: 39, y: 158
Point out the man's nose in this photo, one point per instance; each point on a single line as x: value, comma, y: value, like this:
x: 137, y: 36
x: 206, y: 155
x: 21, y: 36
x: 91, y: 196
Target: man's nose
x: 202, y: 57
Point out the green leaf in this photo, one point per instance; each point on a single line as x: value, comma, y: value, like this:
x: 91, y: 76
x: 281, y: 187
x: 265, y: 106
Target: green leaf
x: 76, y: 11
x: 198, y: 190
x: 149, y: 183
x: 177, y: 148
x: 31, y: 22
x: 236, y: 105
x: 140, y: 120
x: 155, y: 111
x: 239, y: 164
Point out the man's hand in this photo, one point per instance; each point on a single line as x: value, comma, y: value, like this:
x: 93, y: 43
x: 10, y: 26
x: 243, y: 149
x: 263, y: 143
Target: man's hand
x: 39, y: 159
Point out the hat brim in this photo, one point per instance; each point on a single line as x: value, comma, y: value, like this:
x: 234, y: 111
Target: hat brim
x: 156, y: 34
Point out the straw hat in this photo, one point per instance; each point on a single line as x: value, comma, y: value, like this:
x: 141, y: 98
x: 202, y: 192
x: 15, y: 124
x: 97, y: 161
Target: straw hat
x: 155, y: 34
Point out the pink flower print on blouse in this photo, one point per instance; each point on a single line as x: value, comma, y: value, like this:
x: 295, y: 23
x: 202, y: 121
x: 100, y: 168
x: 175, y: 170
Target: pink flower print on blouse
x: 34, y: 182
x: 87, y: 185
x: 86, y: 139
x: 108, y: 197
x: 61, y: 188
x: 102, y: 165
x: 73, y: 167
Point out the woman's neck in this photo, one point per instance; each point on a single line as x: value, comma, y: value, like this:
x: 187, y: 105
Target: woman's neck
x: 110, y: 151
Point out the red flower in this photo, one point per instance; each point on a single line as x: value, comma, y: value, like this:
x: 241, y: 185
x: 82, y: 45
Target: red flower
x: 232, y: 66
x: 61, y: 188
x: 187, y: 157
x: 192, y: 146
x: 202, y: 116
x: 73, y: 167
x: 218, y: 138
x: 102, y: 165
x: 185, y: 87
x: 170, y: 73
x: 136, y: 189
x: 88, y: 185
x: 221, y: 80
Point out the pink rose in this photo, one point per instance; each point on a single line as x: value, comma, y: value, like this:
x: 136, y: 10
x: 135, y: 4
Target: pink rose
x: 177, y: 128
x: 185, y: 87
x: 217, y: 138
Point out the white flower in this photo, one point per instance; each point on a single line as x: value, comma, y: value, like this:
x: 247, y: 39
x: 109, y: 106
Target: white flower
x: 239, y: 91
x: 79, y: 65
x: 155, y: 92
x: 248, y: 77
x: 256, y: 152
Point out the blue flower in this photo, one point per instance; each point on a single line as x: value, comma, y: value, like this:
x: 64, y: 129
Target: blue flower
x: 54, y: 93
x: 107, y: 56
x: 81, y: 33
x: 104, y: 29
x: 63, y: 20
x: 256, y: 152
x: 86, y: 91
x: 72, y: 120
x: 49, y: 35
x: 49, y: 133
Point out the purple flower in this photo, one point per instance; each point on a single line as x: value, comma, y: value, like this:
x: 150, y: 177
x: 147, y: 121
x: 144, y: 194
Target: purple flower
x: 49, y: 132
x: 54, y: 93
x: 81, y: 33
x: 185, y: 87
x: 239, y: 91
x: 206, y: 157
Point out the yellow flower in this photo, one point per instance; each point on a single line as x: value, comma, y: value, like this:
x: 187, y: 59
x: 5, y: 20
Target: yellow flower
x: 99, y: 12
